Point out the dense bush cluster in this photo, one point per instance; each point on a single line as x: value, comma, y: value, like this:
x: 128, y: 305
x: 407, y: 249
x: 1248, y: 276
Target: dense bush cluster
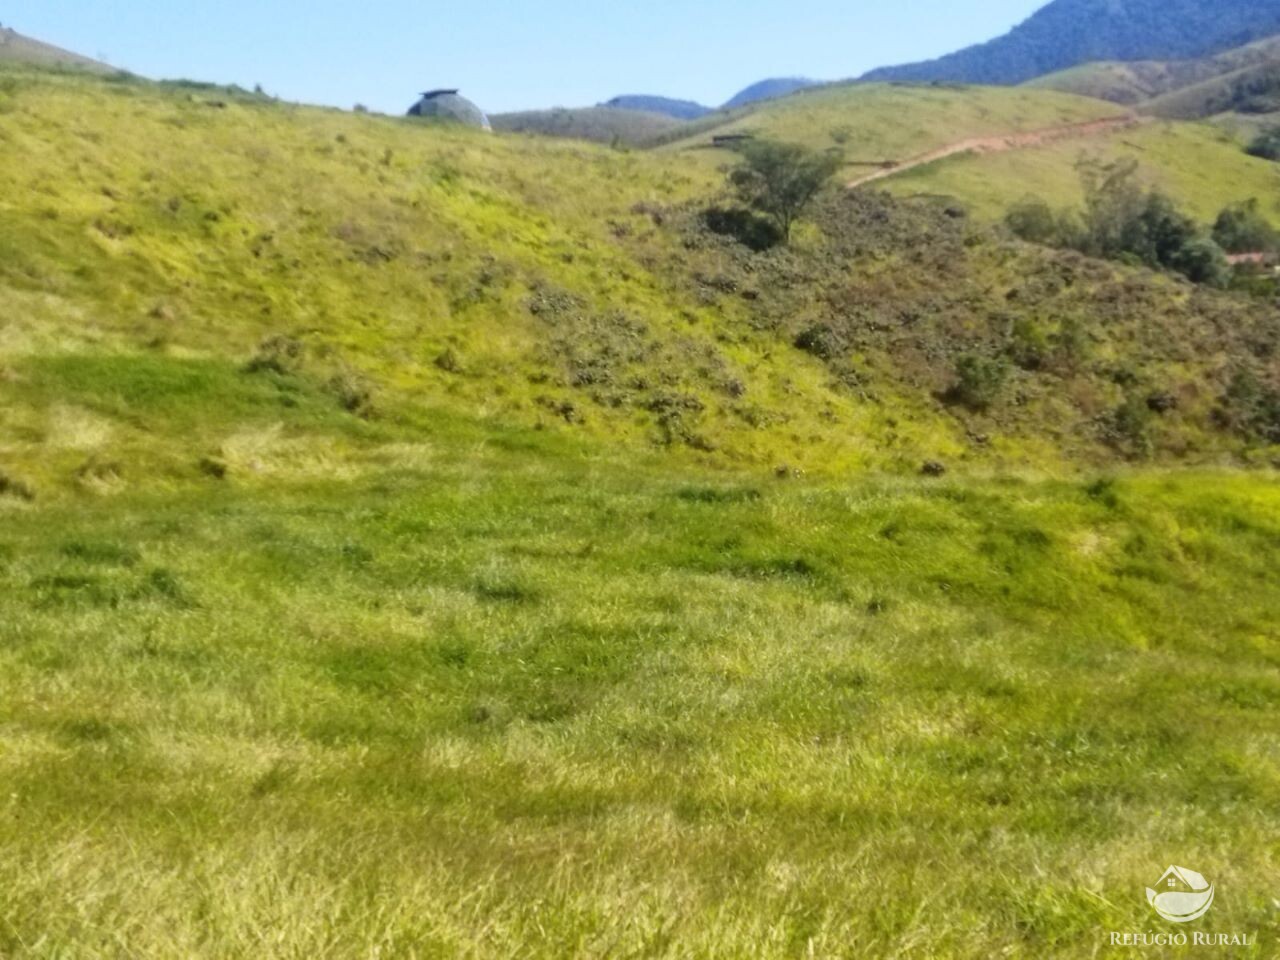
x: 895, y: 297
x: 1123, y: 220
x: 1242, y: 228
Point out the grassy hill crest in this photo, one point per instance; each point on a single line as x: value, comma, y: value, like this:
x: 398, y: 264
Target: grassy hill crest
x: 18, y: 49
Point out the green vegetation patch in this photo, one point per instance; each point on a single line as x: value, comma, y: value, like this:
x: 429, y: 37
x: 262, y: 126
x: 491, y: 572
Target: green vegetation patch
x: 547, y: 679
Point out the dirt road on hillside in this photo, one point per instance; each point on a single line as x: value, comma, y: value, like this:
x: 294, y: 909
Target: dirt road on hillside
x: 1005, y: 143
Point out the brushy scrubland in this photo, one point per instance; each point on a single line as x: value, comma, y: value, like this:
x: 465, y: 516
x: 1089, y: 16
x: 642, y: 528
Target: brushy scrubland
x: 183, y: 271
x: 419, y: 543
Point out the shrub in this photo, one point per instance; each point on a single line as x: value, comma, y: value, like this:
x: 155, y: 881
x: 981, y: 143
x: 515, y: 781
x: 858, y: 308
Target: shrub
x: 1029, y: 346
x: 1033, y: 220
x: 1163, y: 235
x: 1266, y: 144
x: 821, y: 341
x: 1250, y: 409
x: 1123, y: 221
x: 353, y: 392
x: 979, y: 381
x: 279, y: 354
x: 1127, y: 428
x: 13, y: 487
x: 448, y: 361
x: 1070, y: 344
x: 1113, y: 207
x: 214, y: 467
x: 749, y: 229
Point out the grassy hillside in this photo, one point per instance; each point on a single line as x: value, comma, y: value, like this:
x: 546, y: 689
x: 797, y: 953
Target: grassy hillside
x: 418, y: 542
x: 1253, y: 89
x: 895, y: 122
x: 506, y: 696
x: 598, y: 124
x: 1124, y: 83
x: 1202, y: 166
x: 17, y: 50
x: 179, y: 293
x: 1135, y: 81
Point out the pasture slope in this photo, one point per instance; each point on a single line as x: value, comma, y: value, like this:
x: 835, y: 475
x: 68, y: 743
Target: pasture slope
x: 419, y: 543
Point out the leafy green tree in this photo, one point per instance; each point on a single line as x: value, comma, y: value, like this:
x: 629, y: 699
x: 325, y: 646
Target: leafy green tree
x: 1114, y: 202
x: 1201, y: 260
x: 1242, y: 228
x: 780, y: 180
x: 1124, y: 221
x: 1162, y: 232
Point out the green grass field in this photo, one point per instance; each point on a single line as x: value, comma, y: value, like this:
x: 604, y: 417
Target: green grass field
x: 872, y: 122
x: 501, y: 696
x: 419, y: 543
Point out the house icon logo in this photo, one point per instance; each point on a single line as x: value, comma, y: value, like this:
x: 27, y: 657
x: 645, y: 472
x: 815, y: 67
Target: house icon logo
x: 1181, y: 895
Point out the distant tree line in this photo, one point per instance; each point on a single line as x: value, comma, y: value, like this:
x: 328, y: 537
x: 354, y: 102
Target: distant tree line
x: 1123, y: 220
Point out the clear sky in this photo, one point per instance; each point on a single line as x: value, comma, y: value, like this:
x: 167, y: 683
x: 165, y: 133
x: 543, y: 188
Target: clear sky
x: 505, y: 54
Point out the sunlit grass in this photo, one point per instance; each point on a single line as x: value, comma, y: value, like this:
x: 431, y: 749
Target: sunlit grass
x: 1201, y: 165
x: 328, y: 629
x: 515, y: 701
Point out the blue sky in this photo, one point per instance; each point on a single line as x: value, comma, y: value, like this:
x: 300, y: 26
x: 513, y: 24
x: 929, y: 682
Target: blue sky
x: 505, y: 54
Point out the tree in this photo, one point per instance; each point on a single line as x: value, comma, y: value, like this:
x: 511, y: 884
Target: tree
x: 1201, y: 260
x: 1122, y: 220
x: 1243, y: 229
x: 780, y: 180
x: 1114, y: 202
x: 1162, y: 232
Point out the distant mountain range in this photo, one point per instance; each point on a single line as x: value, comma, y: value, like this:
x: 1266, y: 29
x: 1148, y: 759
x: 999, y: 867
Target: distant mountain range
x: 1067, y: 33
x: 689, y: 110
x: 769, y: 90
x: 667, y: 107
